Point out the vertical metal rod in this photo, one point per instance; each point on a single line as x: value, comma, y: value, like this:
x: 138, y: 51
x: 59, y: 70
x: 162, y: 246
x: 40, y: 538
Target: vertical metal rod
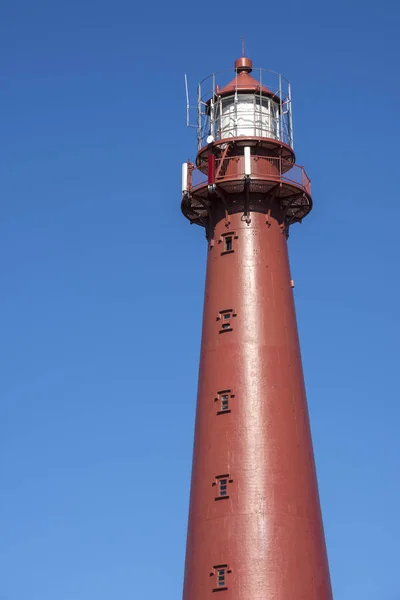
x: 236, y: 130
x: 261, y: 105
x: 291, y: 118
x: 187, y: 102
x: 255, y: 115
x: 218, y: 118
x: 212, y: 113
x: 199, y: 116
x: 280, y: 134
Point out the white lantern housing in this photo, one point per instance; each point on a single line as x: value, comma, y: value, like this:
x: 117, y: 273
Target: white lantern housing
x: 246, y: 115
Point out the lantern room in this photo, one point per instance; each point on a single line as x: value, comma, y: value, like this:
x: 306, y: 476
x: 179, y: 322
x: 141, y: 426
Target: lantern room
x: 245, y: 107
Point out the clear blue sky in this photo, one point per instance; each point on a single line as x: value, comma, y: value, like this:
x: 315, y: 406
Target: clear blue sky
x: 102, y: 283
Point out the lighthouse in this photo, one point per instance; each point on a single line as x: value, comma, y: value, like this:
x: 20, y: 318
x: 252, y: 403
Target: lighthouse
x: 255, y: 529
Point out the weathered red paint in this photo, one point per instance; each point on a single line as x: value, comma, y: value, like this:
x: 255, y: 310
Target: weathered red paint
x: 267, y: 532
x: 211, y: 169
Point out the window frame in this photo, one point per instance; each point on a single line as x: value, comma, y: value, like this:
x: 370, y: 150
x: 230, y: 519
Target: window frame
x: 224, y: 396
x: 220, y: 572
x: 228, y: 243
x: 219, y: 482
x: 228, y: 235
x: 225, y: 316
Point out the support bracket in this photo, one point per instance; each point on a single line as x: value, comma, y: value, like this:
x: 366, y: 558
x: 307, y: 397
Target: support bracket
x: 247, y: 200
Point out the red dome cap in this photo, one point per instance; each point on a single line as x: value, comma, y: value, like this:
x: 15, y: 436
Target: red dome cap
x: 244, y: 82
x: 243, y: 64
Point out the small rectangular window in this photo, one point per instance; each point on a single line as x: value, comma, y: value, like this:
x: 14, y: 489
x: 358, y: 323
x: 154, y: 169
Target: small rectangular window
x: 221, y: 577
x: 225, y: 402
x: 223, y: 399
x: 227, y: 243
x: 222, y: 482
x: 223, y: 486
x: 225, y: 316
x: 219, y: 574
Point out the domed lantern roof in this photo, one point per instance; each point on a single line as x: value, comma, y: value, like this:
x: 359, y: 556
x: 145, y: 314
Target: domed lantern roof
x: 244, y: 82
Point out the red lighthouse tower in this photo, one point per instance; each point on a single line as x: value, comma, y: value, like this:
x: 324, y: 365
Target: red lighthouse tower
x: 255, y: 530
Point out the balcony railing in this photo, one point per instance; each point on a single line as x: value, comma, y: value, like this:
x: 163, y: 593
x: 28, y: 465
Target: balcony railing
x: 262, y: 168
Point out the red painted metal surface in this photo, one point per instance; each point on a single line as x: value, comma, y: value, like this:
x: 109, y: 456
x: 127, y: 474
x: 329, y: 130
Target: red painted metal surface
x: 211, y: 169
x: 243, y: 81
x: 243, y: 64
x: 269, y: 531
x: 255, y: 529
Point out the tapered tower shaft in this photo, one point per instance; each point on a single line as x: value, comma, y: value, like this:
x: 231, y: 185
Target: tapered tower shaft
x: 267, y: 529
x: 255, y: 529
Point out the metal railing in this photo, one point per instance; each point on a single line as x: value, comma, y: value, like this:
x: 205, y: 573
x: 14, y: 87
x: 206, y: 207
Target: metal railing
x: 208, y: 99
x: 262, y: 168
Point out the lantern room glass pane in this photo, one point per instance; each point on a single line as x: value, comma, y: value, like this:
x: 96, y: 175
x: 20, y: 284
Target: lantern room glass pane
x: 247, y: 115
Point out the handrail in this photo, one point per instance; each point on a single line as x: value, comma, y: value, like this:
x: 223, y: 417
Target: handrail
x: 265, y: 168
